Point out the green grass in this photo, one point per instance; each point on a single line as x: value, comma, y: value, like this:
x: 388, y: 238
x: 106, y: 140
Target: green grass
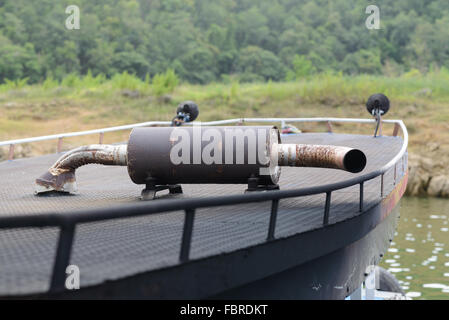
x: 323, y: 88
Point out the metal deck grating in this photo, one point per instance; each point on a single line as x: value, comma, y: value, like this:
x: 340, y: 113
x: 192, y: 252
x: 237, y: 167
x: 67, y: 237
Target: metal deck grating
x: 118, y: 248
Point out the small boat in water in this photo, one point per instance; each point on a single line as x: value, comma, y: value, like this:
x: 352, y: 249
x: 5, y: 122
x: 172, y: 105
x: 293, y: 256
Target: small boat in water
x: 311, y: 233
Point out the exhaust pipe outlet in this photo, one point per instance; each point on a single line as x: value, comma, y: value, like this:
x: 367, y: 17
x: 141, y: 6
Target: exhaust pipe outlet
x: 61, y: 176
x: 321, y: 156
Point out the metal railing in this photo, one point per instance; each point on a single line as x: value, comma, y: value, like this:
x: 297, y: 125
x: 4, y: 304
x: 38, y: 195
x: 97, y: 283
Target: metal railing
x: 67, y: 222
x: 101, y: 132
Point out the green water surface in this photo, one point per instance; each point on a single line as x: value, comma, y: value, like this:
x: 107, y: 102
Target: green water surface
x: 419, y: 254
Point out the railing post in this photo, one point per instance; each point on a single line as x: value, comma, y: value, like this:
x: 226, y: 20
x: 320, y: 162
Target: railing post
x: 395, y: 130
x: 187, y: 235
x: 395, y: 165
x: 11, y: 152
x: 273, y: 216
x: 403, y: 164
x: 361, y: 197
x: 329, y: 126
x: 101, y: 137
x: 62, y: 258
x: 327, y: 208
x: 382, y: 185
x: 59, y: 148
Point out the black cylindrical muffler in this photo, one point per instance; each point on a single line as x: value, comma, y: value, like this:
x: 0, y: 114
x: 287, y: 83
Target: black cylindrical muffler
x: 172, y: 155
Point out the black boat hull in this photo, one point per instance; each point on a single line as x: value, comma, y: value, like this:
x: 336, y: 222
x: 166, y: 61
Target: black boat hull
x: 332, y: 276
x: 325, y: 263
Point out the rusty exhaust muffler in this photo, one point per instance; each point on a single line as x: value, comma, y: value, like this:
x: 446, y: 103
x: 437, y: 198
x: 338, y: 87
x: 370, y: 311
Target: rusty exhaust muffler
x: 219, y: 155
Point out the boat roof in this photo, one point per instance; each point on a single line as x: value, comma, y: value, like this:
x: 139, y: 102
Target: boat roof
x: 114, y: 249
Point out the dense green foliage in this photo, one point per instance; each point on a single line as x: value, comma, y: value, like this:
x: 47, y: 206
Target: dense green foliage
x: 219, y: 40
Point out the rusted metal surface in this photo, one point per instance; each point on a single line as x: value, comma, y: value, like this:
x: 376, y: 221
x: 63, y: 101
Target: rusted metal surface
x: 63, y: 181
x: 61, y: 176
x: 321, y: 156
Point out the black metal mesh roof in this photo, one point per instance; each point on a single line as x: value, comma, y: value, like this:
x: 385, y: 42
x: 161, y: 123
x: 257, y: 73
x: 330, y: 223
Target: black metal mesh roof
x: 122, y: 247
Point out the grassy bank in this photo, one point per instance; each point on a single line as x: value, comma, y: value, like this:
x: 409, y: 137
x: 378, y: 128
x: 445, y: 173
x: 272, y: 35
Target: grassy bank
x: 93, y: 102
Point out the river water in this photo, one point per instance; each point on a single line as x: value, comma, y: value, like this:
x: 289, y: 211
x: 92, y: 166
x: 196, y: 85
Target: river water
x: 419, y: 254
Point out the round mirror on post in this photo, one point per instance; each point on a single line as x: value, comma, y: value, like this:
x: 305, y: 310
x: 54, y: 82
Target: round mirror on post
x: 187, y: 111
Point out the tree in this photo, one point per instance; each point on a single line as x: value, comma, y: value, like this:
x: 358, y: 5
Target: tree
x: 206, y: 41
x: 18, y: 62
x: 302, y: 67
x: 199, y: 65
x: 132, y: 62
x: 255, y: 63
x: 363, y: 61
